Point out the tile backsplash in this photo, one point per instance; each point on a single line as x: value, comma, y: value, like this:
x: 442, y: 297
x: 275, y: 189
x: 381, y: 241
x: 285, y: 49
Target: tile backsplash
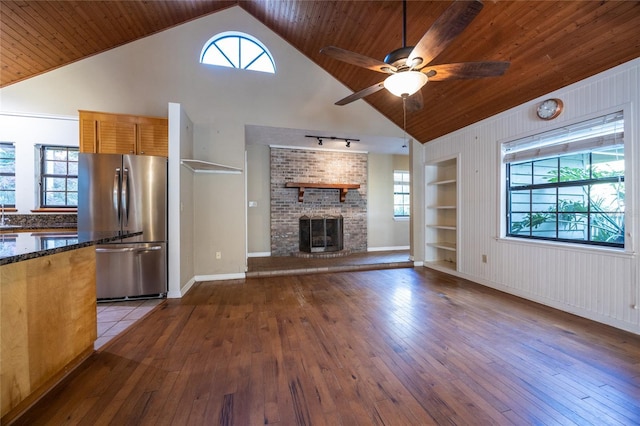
x: 33, y: 221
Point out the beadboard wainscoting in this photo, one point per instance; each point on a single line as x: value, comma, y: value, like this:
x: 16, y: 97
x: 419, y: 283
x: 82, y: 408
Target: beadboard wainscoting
x: 599, y: 283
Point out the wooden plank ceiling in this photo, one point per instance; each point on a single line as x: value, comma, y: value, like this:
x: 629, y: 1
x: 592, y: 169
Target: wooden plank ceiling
x: 550, y: 44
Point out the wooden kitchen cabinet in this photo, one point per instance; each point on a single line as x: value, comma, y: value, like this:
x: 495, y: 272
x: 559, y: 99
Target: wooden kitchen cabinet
x: 153, y: 137
x: 49, y: 324
x: 109, y: 133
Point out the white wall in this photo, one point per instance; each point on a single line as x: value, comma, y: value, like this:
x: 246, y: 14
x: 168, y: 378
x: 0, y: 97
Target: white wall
x: 27, y: 131
x: 259, y: 192
x: 417, y: 224
x: 143, y: 77
x: 601, y: 284
x: 383, y: 231
x: 181, y: 227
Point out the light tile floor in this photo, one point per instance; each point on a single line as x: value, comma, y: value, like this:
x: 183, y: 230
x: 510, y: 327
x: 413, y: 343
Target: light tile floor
x: 115, y: 317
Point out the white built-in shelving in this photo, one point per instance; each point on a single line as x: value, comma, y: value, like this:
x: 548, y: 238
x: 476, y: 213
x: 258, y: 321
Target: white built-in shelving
x: 199, y: 166
x: 441, y: 214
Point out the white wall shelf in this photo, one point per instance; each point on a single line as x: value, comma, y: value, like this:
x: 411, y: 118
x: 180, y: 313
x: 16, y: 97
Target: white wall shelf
x: 446, y: 227
x: 199, y: 166
x: 444, y: 246
x: 442, y: 207
x: 442, y: 182
x: 441, y: 214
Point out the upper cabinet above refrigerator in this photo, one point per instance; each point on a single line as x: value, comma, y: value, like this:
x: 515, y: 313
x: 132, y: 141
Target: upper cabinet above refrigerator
x: 108, y: 133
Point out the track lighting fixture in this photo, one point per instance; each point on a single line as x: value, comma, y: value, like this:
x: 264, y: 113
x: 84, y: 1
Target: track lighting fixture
x: 333, y: 138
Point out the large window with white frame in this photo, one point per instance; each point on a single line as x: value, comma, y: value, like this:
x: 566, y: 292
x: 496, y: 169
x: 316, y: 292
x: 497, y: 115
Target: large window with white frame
x: 58, y: 177
x: 401, y: 194
x: 568, y: 184
x: 7, y: 174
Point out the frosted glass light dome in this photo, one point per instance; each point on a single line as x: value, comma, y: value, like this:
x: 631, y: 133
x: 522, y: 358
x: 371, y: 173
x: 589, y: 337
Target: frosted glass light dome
x: 405, y: 83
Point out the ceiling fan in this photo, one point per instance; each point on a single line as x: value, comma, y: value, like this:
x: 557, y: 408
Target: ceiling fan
x: 409, y: 67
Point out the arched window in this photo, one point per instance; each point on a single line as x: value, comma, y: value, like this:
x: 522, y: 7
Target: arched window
x: 237, y: 50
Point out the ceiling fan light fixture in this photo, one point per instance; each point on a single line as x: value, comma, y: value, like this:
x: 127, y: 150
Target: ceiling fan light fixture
x: 405, y: 83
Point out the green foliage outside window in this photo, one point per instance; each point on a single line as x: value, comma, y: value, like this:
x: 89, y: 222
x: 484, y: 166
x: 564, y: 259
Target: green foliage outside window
x: 582, y: 204
x: 401, y: 194
x: 7, y: 174
x: 59, y: 177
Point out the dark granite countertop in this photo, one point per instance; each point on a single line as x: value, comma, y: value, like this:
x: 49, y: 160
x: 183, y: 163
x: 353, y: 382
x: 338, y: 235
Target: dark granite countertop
x: 36, y: 226
x: 19, y: 245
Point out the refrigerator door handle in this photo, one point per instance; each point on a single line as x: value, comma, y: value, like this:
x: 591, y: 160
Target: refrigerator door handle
x: 116, y: 193
x: 114, y: 250
x: 148, y: 249
x: 125, y: 197
x: 128, y: 249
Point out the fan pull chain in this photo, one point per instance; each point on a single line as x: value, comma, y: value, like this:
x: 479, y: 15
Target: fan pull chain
x: 404, y: 121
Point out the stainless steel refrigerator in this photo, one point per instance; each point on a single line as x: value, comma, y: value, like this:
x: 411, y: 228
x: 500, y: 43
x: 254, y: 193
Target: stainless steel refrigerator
x: 123, y: 194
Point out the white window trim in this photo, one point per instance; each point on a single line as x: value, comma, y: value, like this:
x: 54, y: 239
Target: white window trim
x: 408, y: 217
x: 15, y: 166
x: 631, y: 207
x: 241, y: 35
x: 38, y: 179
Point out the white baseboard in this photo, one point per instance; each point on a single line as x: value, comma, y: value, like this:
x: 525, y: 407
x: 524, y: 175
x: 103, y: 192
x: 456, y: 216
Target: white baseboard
x: 220, y: 277
x: 174, y: 295
x: 559, y: 305
x: 393, y: 248
x: 183, y: 290
x: 259, y: 254
x: 198, y: 278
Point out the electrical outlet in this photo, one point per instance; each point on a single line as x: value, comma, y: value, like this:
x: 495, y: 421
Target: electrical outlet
x: 484, y: 258
x: 218, y: 255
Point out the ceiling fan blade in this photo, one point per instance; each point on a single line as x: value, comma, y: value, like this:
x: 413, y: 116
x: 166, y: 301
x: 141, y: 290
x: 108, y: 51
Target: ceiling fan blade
x: 357, y: 59
x: 361, y: 94
x: 447, y: 27
x: 414, y: 102
x: 465, y: 70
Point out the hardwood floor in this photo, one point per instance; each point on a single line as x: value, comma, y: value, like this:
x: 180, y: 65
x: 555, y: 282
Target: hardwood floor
x: 388, y: 347
x: 288, y: 265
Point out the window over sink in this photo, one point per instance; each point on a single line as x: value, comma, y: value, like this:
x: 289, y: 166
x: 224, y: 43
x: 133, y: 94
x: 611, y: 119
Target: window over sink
x: 7, y: 174
x: 58, y: 177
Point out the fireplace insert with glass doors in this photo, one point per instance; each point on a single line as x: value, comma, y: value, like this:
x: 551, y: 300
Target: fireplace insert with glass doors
x: 320, y: 234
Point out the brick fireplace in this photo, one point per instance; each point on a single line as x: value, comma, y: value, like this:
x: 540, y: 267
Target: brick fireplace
x: 297, y: 165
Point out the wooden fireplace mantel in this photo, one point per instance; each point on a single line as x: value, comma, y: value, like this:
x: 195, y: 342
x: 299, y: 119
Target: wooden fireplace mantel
x: 343, y: 187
